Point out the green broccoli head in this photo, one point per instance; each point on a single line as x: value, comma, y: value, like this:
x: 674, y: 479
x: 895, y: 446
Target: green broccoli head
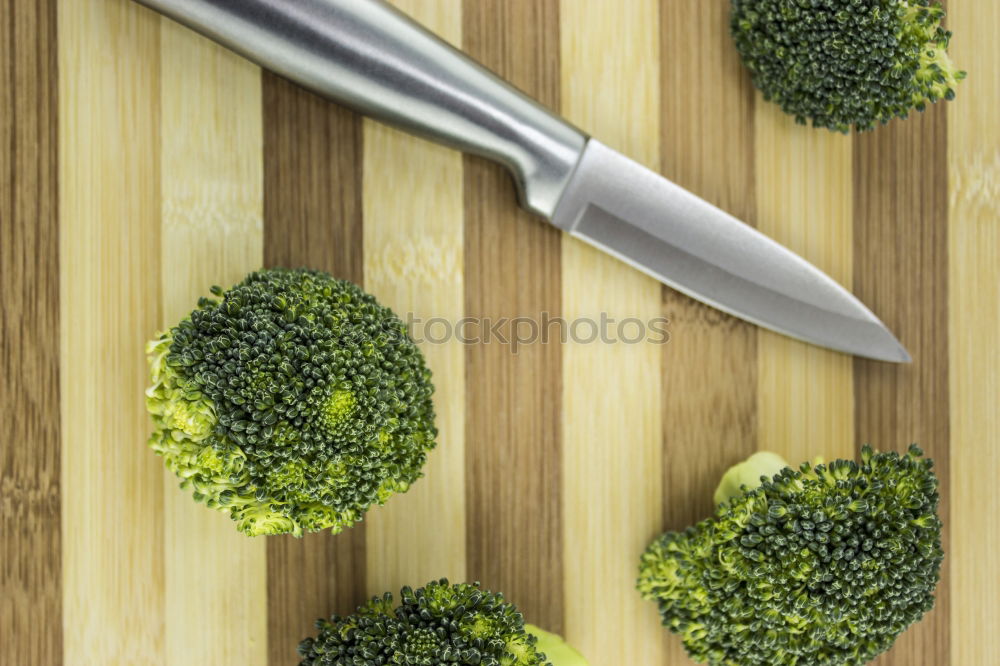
x: 826, y: 565
x: 294, y: 402
x: 440, y: 623
x: 844, y: 63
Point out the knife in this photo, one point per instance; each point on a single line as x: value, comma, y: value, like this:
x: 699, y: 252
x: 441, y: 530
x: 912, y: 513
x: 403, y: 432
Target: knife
x: 369, y: 56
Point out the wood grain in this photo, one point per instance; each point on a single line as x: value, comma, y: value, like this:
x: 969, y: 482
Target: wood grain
x: 109, y: 202
x: 413, y: 263
x: 710, y: 425
x: 974, y: 333
x: 514, y: 399
x: 901, y: 272
x: 30, y: 547
x: 312, y: 217
x: 804, y: 194
x: 555, y: 466
x: 212, y: 208
x: 312, y: 182
x: 611, y: 425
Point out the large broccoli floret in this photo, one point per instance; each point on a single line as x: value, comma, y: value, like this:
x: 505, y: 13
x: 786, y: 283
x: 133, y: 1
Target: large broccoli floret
x: 844, y: 63
x: 826, y: 565
x: 293, y: 403
x: 437, y: 624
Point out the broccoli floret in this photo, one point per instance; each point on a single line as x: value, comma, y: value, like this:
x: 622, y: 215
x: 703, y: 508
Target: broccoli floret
x: 844, y: 63
x: 825, y: 565
x: 440, y: 623
x: 293, y: 402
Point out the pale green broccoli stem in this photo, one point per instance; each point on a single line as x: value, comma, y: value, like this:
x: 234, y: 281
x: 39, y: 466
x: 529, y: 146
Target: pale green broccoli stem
x: 747, y: 475
x: 557, y: 651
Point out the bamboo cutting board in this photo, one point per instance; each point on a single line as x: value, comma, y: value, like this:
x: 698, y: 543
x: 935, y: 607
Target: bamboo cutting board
x: 140, y: 164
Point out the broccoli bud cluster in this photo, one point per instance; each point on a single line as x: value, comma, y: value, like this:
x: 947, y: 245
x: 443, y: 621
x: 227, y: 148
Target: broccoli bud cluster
x: 440, y: 623
x: 294, y: 402
x: 844, y: 63
x: 824, y: 565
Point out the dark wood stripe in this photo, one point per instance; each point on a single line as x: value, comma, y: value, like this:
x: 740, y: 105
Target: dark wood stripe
x: 514, y: 401
x: 901, y: 272
x: 710, y: 363
x: 30, y: 549
x: 30, y: 559
x: 312, y: 217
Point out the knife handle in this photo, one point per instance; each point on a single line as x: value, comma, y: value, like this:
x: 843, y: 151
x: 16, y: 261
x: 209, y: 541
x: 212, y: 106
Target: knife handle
x: 374, y: 59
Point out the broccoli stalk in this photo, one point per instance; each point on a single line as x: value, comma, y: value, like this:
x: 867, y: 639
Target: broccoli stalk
x: 824, y: 565
x: 747, y: 475
x: 440, y: 623
x: 557, y: 651
x: 293, y: 403
x: 843, y: 63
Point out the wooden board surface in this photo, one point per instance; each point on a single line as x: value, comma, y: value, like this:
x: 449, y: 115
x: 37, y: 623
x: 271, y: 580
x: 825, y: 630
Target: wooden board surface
x: 140, y: 164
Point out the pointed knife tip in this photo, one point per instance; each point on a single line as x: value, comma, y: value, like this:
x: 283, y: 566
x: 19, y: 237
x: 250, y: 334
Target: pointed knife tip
x: 901, y: 355
x: 893, y: 352
x: 904, y: 356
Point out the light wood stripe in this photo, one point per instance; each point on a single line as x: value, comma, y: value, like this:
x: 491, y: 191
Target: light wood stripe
x: 212, y: 198
x: 30, y: 548
x: 312, y: 217
x: 974, y: 333
x: 514, y: 396
x: 109, y: 197
x: 901, y: 272
x: 804, y: 190
x: 612, y: 427
x: 413, y: 264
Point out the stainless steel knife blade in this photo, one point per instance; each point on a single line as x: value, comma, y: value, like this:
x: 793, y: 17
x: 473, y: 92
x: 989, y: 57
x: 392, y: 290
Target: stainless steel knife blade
x: 372, y: 57
x: 683, y: 241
